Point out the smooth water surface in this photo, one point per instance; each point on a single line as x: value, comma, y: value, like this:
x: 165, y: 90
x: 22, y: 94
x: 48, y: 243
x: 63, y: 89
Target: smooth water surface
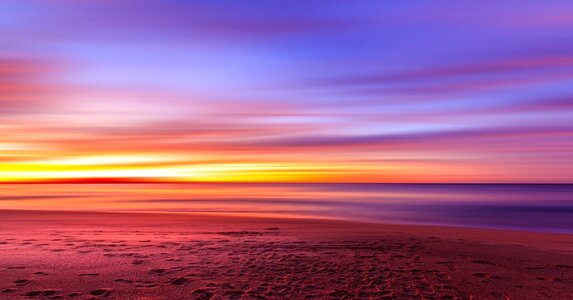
x: 507, y: 206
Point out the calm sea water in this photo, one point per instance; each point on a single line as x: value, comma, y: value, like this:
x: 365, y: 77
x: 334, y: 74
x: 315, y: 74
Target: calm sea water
x: 505, y: 206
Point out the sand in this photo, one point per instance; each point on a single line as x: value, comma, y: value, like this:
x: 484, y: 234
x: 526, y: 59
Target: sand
x: 73, y: 255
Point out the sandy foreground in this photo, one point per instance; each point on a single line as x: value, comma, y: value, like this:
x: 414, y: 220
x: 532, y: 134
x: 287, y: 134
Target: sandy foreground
x: 71, y: 255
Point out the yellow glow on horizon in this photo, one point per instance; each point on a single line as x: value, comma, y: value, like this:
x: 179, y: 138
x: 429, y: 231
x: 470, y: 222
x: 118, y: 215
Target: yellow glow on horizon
x: 245, y: 172
x: 116, y: 167
x: 201, y: 167
x: 63, y: 172
x: 93, y: 166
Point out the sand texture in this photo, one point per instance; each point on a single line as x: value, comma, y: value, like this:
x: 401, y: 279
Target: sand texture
x: 57, y: 255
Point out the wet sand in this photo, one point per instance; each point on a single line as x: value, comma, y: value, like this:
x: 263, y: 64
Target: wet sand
x: 74, y: 255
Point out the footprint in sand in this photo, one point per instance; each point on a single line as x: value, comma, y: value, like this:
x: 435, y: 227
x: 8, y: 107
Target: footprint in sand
x: 43, y: 293
x: 101, y: 292
x: 482, y: 275
x: 88, y: 275
x: 201, y: 294
x: 564, y: 266
x: 41, y: 273
x: 146, y: 285
x: 179, y: 281
x: 481, y: 262
x: 123, y: 280
x: 157, y: 271
x: 21, y: 282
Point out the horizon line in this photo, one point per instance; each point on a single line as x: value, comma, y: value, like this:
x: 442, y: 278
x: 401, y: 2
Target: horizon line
x: 156, y: 181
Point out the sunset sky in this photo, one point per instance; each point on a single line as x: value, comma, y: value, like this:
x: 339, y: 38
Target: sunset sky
x: 294, y: 91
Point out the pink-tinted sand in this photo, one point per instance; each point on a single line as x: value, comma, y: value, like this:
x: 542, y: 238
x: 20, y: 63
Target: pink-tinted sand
x: 72, y: 255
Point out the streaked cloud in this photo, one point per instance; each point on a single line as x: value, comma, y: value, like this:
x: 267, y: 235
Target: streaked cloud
x: 313, y: 91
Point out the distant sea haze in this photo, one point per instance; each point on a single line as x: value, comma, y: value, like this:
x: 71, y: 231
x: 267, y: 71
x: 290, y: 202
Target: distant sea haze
x: 528, y: 207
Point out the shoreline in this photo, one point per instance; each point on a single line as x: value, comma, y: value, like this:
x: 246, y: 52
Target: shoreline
x: 546, y: 240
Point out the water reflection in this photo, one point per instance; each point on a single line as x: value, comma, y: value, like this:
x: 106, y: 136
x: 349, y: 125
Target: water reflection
x: 526, y: 207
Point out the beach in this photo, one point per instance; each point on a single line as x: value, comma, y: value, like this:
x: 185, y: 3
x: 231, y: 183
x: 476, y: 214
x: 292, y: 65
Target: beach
x: 89, y: 255
x: 214, y: 150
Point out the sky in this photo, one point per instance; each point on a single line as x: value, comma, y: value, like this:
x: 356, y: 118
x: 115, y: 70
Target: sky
x: 287, y: 91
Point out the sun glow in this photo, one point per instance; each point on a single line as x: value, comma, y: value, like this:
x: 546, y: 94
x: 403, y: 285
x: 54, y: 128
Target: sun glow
x: 165, y: 168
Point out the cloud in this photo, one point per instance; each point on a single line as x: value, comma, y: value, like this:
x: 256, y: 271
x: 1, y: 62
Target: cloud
x: 479, y: 74
x: 21, y: 85
x: 168, y: 19
x: 421, y: 139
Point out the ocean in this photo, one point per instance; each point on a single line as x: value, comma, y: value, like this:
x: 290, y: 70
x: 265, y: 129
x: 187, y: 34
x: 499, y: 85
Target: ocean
x: 528, y: 207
